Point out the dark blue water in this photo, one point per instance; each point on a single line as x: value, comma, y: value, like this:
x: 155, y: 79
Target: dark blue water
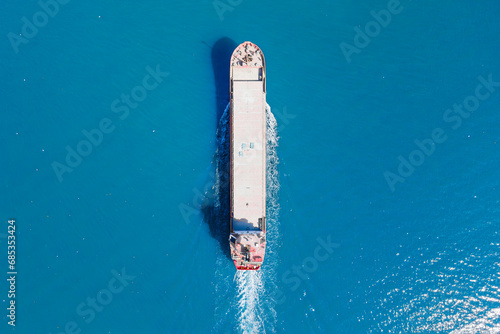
x: 383, y: 170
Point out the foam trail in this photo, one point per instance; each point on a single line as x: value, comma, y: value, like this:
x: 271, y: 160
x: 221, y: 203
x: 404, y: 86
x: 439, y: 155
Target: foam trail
x: 246, y: 296
x: 251, y: 289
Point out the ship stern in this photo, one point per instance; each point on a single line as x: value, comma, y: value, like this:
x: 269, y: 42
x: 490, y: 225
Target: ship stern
x: 247, y: 250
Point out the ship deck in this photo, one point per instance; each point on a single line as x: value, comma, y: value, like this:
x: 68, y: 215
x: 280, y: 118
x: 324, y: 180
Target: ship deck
x: 248, y: 136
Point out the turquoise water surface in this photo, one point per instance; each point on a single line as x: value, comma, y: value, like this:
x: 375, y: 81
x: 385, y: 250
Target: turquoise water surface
x: 383, y: 154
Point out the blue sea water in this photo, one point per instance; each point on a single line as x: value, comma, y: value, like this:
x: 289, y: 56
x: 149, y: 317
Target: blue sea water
x: 131, y: 238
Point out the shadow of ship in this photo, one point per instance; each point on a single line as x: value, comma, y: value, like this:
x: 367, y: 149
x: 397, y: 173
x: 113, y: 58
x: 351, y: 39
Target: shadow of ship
x: 216, y: 207
x: 221, y: 56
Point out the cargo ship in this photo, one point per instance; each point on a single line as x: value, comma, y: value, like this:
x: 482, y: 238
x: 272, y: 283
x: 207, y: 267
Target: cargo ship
x: 247, y: 90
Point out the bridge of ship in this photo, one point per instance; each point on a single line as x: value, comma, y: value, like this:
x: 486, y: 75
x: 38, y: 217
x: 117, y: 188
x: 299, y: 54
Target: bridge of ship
x: 249, y: 248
